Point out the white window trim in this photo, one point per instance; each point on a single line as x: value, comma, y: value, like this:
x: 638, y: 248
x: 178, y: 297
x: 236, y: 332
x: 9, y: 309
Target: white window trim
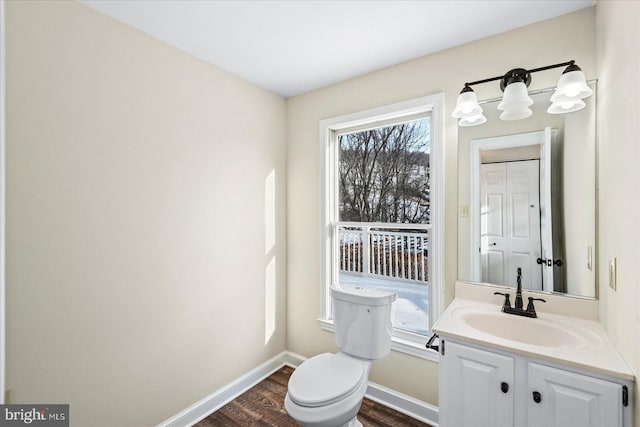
x: 433, y: 104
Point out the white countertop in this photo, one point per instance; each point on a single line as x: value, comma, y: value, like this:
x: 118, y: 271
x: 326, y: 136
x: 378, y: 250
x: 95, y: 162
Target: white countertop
x: 595, y: 351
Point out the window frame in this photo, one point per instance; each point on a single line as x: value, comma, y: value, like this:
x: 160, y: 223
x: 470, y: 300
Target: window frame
x: 432, y: 105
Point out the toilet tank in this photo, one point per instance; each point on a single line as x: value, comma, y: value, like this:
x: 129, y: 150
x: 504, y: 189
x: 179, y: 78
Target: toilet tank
x: 362, y: 321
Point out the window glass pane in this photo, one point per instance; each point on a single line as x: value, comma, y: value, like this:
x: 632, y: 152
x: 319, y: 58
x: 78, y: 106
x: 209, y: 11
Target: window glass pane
x: 383, y: 174
x: 383, y: 177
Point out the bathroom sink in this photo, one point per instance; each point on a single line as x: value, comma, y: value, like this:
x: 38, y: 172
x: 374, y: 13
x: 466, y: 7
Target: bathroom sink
x: 539, y: 332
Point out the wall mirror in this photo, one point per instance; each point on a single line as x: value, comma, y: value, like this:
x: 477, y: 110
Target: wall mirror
x: 527, y: 199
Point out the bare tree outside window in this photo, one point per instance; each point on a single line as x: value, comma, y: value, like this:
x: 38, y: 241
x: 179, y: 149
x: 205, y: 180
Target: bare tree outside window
x: 384, y: 174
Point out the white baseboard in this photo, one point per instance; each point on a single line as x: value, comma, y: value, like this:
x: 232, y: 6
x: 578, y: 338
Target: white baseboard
x: 226, y: 394
x: 407, y: 405
x: 402, y: 403
x: 293, y: 359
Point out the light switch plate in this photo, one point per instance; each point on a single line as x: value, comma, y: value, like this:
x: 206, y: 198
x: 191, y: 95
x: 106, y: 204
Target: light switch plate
x: 612, y: 273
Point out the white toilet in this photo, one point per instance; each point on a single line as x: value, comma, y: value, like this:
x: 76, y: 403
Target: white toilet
x: 327, y: 390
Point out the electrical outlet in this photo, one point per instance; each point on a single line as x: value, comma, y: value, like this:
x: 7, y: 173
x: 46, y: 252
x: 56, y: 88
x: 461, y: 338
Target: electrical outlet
x: 612, y: 273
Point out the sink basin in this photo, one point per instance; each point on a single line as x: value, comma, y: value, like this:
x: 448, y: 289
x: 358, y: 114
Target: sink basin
x: 539, y: 332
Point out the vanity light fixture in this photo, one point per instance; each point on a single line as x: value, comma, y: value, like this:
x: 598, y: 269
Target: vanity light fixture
x: 572, y: 88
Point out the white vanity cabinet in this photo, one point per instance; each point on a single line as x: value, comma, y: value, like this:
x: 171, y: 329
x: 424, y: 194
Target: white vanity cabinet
x: 476, y: 387
x: 482, y: 386
x: 567, y: 399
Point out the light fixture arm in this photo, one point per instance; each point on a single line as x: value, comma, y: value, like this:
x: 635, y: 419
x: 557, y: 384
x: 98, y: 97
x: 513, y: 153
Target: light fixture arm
x: 525, y: 75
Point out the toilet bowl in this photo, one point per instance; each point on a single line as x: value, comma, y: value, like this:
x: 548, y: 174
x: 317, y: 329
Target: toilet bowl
x: 327, y: 389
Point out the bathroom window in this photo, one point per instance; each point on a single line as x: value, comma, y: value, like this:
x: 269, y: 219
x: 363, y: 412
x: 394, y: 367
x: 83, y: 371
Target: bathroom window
x: 382, y: 212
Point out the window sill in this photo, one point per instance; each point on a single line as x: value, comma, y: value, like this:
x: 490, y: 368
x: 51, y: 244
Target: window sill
x: 397, y: 344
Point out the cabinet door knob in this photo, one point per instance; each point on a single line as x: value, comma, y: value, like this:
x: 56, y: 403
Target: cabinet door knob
x: 504, y: 387
x: 537, y: 397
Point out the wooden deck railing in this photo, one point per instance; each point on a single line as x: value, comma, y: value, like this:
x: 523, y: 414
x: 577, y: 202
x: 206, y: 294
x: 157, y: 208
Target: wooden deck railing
x: 399, y: 251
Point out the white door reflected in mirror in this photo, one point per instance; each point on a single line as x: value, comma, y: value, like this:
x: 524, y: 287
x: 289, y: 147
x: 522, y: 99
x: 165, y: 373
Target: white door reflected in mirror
x: 510, y: 223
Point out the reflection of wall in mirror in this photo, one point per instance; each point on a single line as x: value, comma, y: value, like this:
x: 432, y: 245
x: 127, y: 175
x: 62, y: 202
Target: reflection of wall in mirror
x: 579, y: 201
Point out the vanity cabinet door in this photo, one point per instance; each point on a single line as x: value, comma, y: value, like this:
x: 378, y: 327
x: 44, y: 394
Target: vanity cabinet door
x: 559, y: 398
x: 476, y: 388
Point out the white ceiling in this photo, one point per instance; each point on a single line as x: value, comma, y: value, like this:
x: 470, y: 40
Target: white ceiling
x: 291, y: 47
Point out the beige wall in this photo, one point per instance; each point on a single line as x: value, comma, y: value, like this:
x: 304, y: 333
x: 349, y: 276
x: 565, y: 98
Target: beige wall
x: 618, y: 47
x: 567, y: 37
x: 137, y: 262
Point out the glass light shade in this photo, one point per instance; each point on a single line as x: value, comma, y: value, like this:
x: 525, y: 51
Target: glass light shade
x: 516, y: 114
x: 571, y: 86
x: 515, y: 97
x: 476, y: 120
x: 566, y: 107
x: 467, y: 105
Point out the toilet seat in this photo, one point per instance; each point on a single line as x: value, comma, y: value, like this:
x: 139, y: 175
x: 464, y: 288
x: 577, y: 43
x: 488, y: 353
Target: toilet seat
x: 325, y: 379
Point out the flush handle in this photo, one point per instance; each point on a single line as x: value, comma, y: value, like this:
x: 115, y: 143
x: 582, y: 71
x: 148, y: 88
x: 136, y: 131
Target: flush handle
x: 537, y: 397
x: 504, y: 387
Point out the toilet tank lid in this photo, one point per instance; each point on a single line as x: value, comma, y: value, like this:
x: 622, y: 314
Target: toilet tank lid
x: 362, y: 295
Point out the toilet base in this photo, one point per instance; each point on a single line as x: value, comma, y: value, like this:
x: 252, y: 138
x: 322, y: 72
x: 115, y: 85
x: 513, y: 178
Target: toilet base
x: 353, y: 423
x: 333, y: 415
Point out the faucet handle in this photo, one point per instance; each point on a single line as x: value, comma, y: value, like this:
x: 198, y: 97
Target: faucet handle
x: 530, y: 307
x: 507, y: 302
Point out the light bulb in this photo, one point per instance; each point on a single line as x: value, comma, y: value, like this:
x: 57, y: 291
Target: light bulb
x: 467, y: 104
x: 476, y: 120
x: 566, y: 107
x: 572, y: 85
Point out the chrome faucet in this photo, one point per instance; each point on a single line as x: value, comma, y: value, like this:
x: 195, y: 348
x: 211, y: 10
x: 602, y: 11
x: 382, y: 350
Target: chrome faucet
x: 517, y: 310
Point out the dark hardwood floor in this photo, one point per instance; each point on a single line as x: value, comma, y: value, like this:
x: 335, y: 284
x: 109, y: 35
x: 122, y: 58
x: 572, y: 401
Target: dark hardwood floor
x: 263, y: 405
